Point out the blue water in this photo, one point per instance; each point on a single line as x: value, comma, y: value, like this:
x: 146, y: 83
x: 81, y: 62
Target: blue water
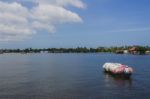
x: 71, y: 76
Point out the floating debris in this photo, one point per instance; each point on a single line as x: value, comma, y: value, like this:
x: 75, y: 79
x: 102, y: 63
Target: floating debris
x: 118, y: 69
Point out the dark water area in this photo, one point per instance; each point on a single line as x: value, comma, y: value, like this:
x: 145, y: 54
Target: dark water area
x: 71, y: 76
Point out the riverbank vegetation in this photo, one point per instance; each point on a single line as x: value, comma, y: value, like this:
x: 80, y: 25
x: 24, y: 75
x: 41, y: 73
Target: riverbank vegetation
x: 118, y: 50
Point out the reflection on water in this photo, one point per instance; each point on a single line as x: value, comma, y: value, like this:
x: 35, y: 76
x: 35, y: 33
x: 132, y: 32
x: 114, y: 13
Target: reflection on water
x: 71, y: 76
x: 117, y: 80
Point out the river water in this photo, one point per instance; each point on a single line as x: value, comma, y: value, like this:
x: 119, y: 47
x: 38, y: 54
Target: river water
x: 71, y: 76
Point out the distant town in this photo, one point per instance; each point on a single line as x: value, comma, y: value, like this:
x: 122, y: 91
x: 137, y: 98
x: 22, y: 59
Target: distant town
x: 137, y: 50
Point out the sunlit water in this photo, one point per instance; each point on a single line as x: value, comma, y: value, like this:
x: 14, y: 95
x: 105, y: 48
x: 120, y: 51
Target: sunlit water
x: 71, y: 76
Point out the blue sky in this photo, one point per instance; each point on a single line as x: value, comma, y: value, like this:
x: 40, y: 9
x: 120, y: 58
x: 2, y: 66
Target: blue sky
x: 100, y: 23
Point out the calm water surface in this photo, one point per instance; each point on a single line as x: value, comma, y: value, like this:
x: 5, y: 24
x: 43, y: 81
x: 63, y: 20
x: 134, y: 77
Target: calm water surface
x: 71, y: 76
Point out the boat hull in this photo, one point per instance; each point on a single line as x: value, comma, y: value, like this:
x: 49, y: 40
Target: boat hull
x: 118, y: 74
x: 117, y: 69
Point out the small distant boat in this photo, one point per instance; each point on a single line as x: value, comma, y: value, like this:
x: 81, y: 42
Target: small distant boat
x: 118, y: 69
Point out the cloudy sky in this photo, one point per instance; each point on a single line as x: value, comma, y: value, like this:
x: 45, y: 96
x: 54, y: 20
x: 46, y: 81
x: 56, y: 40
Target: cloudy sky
x: 72, y: 23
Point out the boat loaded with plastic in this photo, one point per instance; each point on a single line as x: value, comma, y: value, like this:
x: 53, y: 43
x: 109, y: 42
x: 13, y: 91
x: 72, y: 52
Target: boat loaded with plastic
x: 118, y: 69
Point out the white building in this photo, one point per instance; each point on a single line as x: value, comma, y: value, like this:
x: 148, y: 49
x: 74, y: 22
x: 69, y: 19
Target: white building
x: 125, y: 51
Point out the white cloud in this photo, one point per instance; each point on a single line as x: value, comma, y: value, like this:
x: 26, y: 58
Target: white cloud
x: 18, y: 22
x: 62, y: 3
x: 46, y: 15
x: 13, y: 21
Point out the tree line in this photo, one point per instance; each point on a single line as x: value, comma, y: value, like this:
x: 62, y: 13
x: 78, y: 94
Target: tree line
x: 75, y: 50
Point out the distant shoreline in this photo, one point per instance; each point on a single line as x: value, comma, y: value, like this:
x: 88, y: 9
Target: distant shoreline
x: 138, y: 50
